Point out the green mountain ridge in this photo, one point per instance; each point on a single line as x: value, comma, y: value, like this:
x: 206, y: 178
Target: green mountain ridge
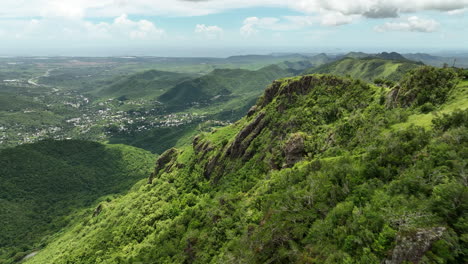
x: 368, y: 68
x: 319, y: 171
x: 221, y: 84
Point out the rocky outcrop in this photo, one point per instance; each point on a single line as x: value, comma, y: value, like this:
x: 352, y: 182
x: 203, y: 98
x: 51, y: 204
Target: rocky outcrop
x: 252, y: 111
x: 210, y: 166
x: 164, y: 163
x: 300, y: 86
x: 392, y: 97
x: 97, y: 211
x: 294, y: 150
x: 244, y: 138
x: 411, y: 248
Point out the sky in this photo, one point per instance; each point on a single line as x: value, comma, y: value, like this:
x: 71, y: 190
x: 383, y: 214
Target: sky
x: 218, y: 28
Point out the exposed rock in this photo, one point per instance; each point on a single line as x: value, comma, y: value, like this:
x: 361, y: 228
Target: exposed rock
x: 270, y: 93
x: 294, y: 150
x: 166, y: 158
x: 411, y: 248
x: 252, y: 111
x: 151, y: 178
x: 97, y: 211
x: 245, y: 136
x: 210, y: 166
x: 196, y: 141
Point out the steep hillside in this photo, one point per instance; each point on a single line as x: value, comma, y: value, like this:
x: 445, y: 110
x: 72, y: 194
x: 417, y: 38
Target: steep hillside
x: 315, y: 173
x: 43, y: 184
x: 150, y: 83
x: 368, y: 69
x: 221, y: 85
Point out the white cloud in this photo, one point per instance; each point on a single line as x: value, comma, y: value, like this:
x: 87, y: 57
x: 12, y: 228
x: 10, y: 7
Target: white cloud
x: 412, y: 23
x: 113, y: 8
x: 253, y: 25
x: 122, y: 28
x: 457, y: 11
x: 209, y: 32
x: 337, y: 19
x: 142, y: 29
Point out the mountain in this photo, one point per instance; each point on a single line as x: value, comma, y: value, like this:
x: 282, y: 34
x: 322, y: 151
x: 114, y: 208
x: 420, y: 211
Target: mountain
x: 368, y: 68
x: 323, y: 169
x: 150, y: 83
x: 357, y: 55
x: 439, y: 61
x: 273, y: 58
x: 221, y: 85
x: 383, y: 55
x: 43, y: 185
x: 301, y: 65
x: 391, y: 56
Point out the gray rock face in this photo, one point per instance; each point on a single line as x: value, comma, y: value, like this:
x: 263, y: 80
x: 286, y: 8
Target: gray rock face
x: 245, y: 137
x: 294, y: 150
x: 166, y: 158
x: 411, y: 248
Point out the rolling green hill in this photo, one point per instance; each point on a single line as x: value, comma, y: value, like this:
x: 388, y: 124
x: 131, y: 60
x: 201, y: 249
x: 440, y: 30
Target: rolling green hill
x: 318, y: 172
x: 150, y: 83
x: 221, y: 85
x: 368, y: 68
x: 43, y: 185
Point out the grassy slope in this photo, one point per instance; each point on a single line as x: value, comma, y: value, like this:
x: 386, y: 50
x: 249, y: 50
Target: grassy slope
x: 232, y: 198
x: 366, y: 69
x: 458, y: 99
x: 42, y: 184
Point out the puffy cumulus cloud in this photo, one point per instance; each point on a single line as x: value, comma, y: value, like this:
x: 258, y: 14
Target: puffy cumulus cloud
x: 378, y: 8
x: 457, y: 11
x: 253, y: 25
x: 337, y: 19
x: 413, y: 23
x: 120, y: 29
x: 112, y: 8
x: 142, y: 29
x: 209, y: 32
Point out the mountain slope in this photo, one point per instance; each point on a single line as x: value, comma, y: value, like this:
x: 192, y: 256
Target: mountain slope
x: 150, y: 83
x: 221, y: 85
x: 315, y: 173
x: 43, y: 184
x: 368, y: 68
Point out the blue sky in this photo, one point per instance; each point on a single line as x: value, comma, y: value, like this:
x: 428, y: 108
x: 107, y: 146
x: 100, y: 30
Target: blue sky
x: 229, y: 27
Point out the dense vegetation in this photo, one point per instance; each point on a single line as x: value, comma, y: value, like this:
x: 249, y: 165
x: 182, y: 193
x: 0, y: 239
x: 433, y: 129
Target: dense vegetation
x: 322, y: 170
x: 43, y: 184
x: 383, y: 66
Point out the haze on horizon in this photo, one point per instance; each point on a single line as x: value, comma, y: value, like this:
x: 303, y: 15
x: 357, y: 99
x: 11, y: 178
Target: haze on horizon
x: 218, y: 28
